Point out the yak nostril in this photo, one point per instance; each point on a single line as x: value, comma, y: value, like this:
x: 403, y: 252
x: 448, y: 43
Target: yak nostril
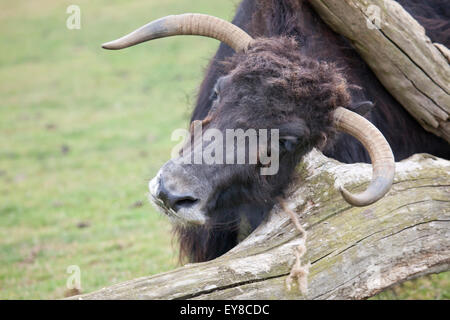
x: 173, y: 201
x: 177, y: 202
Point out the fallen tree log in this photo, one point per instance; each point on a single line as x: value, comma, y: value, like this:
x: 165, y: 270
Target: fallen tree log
x: 414, y: 70
x: 354, y: 252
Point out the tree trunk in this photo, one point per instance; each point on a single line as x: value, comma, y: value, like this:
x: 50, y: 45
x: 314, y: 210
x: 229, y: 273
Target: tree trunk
x: 354, y: 252
x: 414, y: 70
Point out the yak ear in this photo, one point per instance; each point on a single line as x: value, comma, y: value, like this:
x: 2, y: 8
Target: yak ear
x: 322, y: 141
x: 362, y: 108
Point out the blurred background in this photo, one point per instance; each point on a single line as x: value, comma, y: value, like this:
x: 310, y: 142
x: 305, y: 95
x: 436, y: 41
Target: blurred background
x: 82, y: 130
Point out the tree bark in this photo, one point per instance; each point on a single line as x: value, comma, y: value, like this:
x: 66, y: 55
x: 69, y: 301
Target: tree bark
x: 414, y: 70
x: 354, y: 252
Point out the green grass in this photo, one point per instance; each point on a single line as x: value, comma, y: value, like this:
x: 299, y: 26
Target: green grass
x: 81, y: 132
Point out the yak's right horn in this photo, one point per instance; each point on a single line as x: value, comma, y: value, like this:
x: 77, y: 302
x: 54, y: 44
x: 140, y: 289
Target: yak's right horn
x: 383, y: 163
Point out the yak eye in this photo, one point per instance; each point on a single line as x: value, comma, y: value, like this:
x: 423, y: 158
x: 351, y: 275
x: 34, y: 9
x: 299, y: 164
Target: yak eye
x: 214, y: 94
x: 288, y: 143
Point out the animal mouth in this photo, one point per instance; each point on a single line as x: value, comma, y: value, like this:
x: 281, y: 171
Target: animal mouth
x: 187, y: 202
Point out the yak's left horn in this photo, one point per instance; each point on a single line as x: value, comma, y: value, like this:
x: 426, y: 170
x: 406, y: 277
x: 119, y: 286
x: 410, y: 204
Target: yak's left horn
x: 186, y: 24
x: 383, y: 163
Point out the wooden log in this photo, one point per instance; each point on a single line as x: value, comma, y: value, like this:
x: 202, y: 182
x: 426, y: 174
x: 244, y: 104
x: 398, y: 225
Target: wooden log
x: 354, y: 252
x: 414, y: 70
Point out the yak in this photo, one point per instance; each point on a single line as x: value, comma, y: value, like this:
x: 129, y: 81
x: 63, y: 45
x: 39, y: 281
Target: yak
x: 280, y: 67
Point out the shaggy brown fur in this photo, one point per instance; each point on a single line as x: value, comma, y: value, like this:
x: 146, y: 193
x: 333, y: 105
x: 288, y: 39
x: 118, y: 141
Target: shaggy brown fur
x: 275, y: 75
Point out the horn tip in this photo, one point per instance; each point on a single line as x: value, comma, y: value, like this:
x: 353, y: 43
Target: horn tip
x: 352, y: 199
x: 110, y: 46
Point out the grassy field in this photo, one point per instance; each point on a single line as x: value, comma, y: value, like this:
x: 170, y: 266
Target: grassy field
x: 81, y: 132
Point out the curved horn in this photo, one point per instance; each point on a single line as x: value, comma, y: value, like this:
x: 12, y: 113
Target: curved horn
x: 383, y: 163
x: 185, y: 24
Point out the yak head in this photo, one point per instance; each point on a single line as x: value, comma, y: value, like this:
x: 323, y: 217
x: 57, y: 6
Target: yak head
x: 271, y: 107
